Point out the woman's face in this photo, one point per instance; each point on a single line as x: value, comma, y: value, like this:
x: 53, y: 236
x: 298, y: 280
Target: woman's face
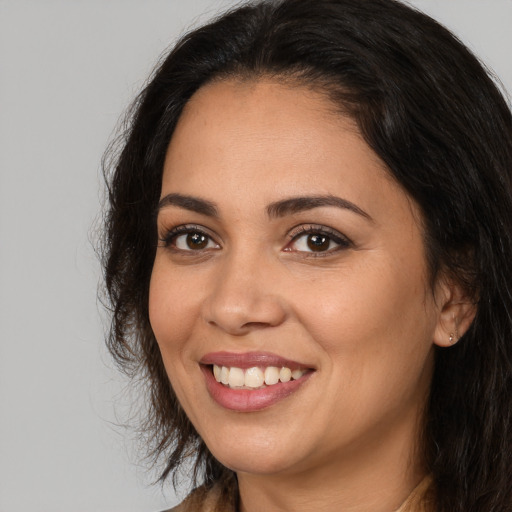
x: 286, y: 247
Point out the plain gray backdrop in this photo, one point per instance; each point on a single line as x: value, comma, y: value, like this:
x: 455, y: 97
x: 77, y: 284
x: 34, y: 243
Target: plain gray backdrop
x: 68, y: 69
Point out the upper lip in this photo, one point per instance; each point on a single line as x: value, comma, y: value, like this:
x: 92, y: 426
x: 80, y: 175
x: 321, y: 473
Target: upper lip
x: 250, y: 359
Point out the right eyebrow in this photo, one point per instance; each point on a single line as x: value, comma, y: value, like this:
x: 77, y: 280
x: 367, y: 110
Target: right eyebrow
x: 193, y: 204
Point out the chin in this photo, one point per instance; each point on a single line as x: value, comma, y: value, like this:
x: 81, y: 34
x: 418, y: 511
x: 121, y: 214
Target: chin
x: 245, y: 461
x: 254, y: 450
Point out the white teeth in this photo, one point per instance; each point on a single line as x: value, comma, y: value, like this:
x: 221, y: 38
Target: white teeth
x: 236, y: 378
x: 224, y: 375
x: 297, y: 374
x: 285, y: 374
x: 271, y: 375
x: 254, y: 377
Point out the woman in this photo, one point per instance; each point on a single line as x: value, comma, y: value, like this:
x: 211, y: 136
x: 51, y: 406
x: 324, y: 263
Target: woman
x: 308, y: 256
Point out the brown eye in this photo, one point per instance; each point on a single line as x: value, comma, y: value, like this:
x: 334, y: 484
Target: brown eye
x: 318, y: 240
x: 190, y: 240
x: 318, y: 243
x: 196, y: 241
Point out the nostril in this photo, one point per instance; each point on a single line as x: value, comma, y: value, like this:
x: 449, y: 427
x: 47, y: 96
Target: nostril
x: 256, y: 325
x: 241, y: 329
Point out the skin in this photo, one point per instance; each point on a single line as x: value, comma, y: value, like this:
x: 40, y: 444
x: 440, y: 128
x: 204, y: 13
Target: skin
x: 362, y: 315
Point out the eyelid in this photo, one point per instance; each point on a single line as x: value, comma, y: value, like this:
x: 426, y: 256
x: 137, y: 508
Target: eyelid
x: 342, y: 241
x: 184, y: 229
x: 302, y: 230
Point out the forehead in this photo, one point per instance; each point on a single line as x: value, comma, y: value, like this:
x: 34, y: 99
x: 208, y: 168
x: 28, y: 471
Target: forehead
x: 256, y: 128
x: 251, y: 143
x: 265, y: 96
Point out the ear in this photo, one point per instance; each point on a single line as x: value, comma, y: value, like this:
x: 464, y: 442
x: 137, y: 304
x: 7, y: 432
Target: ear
x: 456, y: 313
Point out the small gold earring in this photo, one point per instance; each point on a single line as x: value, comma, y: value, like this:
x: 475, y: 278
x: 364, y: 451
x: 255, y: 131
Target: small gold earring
x: 454, y: 338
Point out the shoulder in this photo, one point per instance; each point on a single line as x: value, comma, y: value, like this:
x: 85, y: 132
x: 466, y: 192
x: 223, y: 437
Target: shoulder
x: 215, y: 499
x: 421, y: 499
x: 199, y: 500
x: 221, y: 498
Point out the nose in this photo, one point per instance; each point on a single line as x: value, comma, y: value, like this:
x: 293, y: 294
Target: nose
x: 245, y: 296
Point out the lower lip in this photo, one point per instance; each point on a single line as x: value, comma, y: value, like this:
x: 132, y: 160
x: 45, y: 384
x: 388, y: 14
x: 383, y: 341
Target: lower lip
x: 246, y: 400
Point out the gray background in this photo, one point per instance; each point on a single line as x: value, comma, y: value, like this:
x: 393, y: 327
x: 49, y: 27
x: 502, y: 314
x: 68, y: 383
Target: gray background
x: 68, y: 69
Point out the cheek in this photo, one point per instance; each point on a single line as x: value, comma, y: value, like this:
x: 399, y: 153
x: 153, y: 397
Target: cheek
x: 170, y: 312
x: 371, y: 302
x: 375, y: 327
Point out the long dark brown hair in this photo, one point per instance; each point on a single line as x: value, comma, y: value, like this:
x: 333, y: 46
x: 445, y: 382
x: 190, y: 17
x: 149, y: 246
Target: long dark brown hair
x: 430, y: 111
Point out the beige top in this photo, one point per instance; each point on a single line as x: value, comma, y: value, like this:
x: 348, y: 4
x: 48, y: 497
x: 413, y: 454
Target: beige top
x: 200, y: 500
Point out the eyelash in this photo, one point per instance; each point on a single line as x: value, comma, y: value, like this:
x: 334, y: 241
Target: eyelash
x: 296, y: 234
x: 301, y: 231
x: 170, y: 237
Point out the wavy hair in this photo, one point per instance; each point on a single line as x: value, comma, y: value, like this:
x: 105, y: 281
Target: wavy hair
x: 428, y: 108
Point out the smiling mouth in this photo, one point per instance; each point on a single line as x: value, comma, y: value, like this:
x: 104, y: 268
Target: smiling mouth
x: 252, y: 381
x: 255, y: 377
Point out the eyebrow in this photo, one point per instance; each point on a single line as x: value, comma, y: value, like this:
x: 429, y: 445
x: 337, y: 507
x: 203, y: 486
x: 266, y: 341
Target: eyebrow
x: 304, y: 203
x: 193, y: 204
x: 274, y: 210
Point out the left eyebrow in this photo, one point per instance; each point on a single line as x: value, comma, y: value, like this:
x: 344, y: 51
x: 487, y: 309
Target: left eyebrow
x: 304, y: 203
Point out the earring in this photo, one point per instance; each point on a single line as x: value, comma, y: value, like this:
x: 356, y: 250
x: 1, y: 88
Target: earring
x: 454, y: 338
